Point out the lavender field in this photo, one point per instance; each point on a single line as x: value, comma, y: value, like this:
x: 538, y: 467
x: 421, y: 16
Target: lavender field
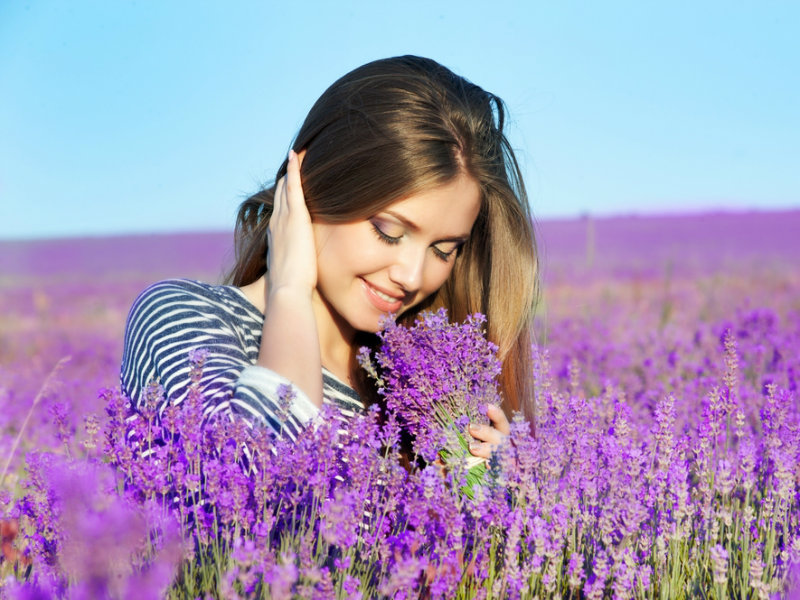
x: 663, y: 463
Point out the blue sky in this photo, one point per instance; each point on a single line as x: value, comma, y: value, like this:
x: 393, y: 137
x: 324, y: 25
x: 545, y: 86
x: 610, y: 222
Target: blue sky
x: 120, y: 117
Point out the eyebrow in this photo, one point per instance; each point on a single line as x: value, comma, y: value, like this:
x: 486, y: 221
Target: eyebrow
x: 414, y: 227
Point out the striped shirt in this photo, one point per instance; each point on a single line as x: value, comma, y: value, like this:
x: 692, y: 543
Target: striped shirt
x: 171, y: 318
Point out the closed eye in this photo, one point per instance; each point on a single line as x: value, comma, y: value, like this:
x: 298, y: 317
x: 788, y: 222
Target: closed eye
x: 440, y: 253
x: 446, y: 254
x: 385, y: 237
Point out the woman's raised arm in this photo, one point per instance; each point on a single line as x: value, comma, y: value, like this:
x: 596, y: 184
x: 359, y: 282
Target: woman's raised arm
x: 290, y: 342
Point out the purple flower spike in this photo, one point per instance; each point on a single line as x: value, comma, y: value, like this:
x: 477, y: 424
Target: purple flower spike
x: 437, y: 377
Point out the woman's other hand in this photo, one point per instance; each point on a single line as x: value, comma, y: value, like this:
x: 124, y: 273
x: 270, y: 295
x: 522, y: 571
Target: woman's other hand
x: 491, y: 436
x: 291, y: 253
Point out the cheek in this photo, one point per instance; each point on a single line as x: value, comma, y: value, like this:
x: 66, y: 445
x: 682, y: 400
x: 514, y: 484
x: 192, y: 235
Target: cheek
x: 436, y: 275
x: 342, y: 249
x: 366, y: 254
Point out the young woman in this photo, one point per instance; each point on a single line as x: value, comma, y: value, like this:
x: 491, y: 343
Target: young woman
x: 401, y: 193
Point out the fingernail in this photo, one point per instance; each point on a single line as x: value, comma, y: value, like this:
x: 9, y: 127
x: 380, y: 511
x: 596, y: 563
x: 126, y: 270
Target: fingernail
x: 473, y: 427
x: 291, y: 155
x: 474, y: 447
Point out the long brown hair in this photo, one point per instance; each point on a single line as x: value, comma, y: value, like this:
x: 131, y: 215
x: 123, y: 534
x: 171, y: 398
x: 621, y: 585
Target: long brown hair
x: 390, y: 129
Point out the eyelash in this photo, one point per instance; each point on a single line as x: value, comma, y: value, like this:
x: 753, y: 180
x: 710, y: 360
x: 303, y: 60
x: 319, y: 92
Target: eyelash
x: 444, y: 256
x: 385, y: 237
x: 391, y: 240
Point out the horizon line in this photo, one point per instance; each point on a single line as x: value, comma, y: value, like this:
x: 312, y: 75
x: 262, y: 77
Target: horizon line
x: 660, y: 214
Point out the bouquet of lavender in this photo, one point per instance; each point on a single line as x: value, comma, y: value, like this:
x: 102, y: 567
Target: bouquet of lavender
x: 437, y: 377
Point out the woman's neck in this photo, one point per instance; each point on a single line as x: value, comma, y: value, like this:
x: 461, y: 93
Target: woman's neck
x: 336, y: 337
x: 256, y: 293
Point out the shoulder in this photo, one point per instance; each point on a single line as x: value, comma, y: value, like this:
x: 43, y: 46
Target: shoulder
x: 176, y: 290
x: 173, y: 316
x: 192, y: 295
x: 171, y: 300
x: 187, y: 304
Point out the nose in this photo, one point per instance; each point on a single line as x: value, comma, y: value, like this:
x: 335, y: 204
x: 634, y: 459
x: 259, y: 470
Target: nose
x: 408, y: 269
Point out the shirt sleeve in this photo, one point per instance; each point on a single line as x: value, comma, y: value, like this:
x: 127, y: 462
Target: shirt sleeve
x: 173, y: 318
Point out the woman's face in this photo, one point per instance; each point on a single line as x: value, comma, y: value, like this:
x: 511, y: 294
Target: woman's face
x: 393, y: 260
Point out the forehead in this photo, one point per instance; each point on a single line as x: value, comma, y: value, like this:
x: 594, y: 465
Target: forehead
x: 450, y: 209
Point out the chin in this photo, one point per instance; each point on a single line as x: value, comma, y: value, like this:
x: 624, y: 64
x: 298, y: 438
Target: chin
x: 375, y: 326
x: 371, y: 325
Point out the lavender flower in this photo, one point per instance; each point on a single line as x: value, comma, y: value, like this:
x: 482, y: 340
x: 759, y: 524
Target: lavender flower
x: 664, y: 461
x: 437, y: 377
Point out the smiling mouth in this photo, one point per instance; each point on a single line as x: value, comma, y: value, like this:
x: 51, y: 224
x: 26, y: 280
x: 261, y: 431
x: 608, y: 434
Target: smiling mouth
x: 381, y: 300
x: 386, y: 297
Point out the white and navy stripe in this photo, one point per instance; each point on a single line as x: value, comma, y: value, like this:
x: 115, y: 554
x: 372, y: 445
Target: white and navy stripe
x: 173, y: 317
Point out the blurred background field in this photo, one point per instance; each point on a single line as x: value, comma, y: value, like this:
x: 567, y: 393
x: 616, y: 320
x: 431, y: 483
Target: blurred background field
x: 604, y: 279
x: 634, y: 312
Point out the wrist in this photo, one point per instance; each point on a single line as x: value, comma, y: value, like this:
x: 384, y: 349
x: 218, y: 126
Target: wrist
x: 288, y: 293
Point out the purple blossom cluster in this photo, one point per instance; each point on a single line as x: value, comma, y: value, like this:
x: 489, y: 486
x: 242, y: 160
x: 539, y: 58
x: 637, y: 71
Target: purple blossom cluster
x: 664, y: 462
x: 436, y: 378
x: 698, y: 498
x: 85, y: 540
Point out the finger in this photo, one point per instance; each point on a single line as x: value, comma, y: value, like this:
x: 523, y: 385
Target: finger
x: 294, y: 188
x: 278, y: 210
x: 498, y: 419
x: 279, y: 200
x: 482, y: 450
x: 486, y: 433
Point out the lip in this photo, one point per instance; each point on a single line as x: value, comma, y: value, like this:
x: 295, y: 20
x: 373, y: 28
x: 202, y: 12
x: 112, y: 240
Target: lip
x: 380, y: 303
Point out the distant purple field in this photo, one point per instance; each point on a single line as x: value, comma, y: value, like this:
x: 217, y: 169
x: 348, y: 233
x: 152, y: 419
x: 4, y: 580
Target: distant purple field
x: 693, y: 244
x: 118, y: 257
x: 632, y: 244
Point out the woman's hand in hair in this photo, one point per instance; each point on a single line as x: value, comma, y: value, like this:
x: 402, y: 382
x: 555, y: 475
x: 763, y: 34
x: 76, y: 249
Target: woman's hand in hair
x: 491, y: 436
x: 291, y: 253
